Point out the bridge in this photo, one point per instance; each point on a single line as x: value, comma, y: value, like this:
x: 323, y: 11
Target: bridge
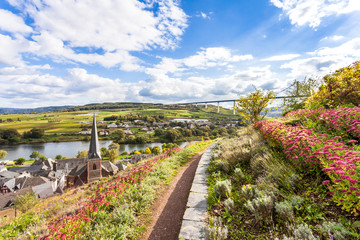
x: 230, y: 100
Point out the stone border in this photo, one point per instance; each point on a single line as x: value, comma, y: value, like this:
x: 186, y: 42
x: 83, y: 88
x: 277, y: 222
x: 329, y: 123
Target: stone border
x: 193, y: 224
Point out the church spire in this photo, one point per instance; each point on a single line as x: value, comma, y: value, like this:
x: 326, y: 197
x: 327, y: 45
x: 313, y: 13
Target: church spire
x: 94, y: 150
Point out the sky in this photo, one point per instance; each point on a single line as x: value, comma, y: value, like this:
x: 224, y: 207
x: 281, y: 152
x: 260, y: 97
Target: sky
x: 76, y: 52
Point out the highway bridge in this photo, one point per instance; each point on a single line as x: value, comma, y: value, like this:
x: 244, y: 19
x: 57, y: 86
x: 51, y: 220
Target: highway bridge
x: 230, y: 100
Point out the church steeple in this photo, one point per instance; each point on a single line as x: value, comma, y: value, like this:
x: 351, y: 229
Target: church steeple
x: 94, y: 150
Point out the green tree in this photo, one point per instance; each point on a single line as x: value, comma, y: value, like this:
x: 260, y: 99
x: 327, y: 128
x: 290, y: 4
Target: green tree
x: 141, y: 139
x: 42, y: 157
x: 114, y: 145
x: 113, y: 155
x: 34, y: 133
x: 58, y: 157
x: 3, y: 154
x: 104, y: 152
x: 252, y: 107
x: 156, y: 150
x: 173, y: 135
x: 35, y: 155
x: 338, y: 89
x: 119, y: 135
x: 20, y: 161
x: 82, y: 154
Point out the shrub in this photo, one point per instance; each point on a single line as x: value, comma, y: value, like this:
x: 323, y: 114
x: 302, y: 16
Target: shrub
x: 19, y: 161
x: 229, y: 204
x: 239, y: 173
x: 303, y: 231
x: 223, y: 188
x: 25, y: 201
x: 336, y: 230
x: 284, y: 210
x: 216, y: 229
x: 296, y: 201
x: 262, y: 207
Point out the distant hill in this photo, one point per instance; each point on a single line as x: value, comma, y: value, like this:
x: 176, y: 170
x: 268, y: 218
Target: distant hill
x: 32, y: 110
x: 117, y: 105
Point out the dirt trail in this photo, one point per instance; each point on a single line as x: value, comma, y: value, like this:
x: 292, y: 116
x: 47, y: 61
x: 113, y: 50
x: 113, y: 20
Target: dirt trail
x: 169, y: 208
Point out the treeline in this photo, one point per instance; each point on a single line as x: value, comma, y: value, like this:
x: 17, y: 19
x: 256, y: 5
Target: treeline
x: 175, y: 134
x: 11, y: 135
x: 99, y: 106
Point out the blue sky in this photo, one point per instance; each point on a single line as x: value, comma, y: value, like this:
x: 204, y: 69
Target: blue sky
x: 68, y: 52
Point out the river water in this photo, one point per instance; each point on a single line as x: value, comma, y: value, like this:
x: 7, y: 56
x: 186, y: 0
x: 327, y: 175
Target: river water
x: 68, y: 149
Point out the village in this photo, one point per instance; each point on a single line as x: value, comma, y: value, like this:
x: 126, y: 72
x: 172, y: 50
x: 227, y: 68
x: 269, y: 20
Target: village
x: 45, y: 178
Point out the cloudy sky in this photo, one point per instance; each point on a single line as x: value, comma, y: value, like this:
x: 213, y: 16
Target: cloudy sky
x: 71, y: 52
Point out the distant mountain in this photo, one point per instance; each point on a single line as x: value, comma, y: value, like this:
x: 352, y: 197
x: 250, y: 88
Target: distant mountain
x: 30, y: 110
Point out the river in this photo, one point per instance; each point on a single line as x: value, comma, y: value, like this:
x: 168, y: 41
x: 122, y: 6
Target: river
x: 68, y: 149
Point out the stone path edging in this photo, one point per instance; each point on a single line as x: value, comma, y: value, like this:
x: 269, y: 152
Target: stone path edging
x: 193, y: 224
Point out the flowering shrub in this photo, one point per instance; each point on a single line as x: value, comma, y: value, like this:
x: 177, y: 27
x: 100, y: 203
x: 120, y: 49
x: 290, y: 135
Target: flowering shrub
x: 315, y: 152
x: 342, y: 121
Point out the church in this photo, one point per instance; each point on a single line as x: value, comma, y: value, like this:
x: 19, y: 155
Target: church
x: 81, y: 171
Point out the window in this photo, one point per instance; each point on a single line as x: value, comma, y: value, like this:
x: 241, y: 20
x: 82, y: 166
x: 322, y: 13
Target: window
x: 94, y: 166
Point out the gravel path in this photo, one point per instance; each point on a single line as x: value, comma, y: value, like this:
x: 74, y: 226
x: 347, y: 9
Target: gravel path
x: 169, y: 208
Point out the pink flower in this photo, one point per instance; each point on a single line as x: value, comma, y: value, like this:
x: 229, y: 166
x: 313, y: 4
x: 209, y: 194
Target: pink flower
x: 330, y: 192
x: 326, y: 182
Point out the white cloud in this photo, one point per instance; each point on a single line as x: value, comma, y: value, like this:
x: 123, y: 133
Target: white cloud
x: 311, y: 12
x: 281, y: 57
x: 12, y: 23
x: 332, y: 38
x: 204, y: 59
x: 78, y: 87
x: 325, y: 60
x: 103, y: 32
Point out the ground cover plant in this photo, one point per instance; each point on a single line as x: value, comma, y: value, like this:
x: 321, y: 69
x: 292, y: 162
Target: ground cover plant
x: 259, y: 189
x: 113, y: 208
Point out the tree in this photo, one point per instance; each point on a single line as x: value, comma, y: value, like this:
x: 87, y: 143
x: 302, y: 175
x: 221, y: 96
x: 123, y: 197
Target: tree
x: 104, y: 152
x: 158, y: 132
x: 58, y: 157
x: 35, y: 155
x: 252, y: 107
x: 147, y: 151
x: 114, y: 145
x: 82, y: 154
x: 173, y: 135
x: 42, y: 157
x: 338, y: 89
x: 34, y: 133
x: 3, y: 154
x: 113, y: 155
x: 20, y: 161
x: 156, y: 150
x: 141, y: 139
x: 298, y: 92
x: 119, y: 135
